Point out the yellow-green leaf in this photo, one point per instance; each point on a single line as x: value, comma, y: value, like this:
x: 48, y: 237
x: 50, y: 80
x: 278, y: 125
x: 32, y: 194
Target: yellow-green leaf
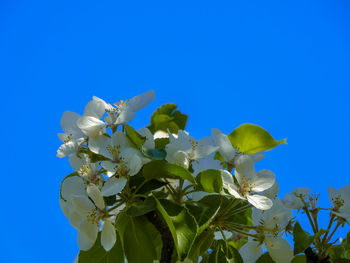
x: 251, y: 138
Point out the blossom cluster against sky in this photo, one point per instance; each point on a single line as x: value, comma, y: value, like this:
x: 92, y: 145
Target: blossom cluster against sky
x: 281, y: 65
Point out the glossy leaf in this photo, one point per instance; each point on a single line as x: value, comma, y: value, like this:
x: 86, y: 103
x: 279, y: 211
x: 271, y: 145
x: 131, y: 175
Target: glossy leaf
x: 138, y: 244
x: 265, y: 258
x: 134, y: 136
x: 210, y: 181
x: 142, y: 207
x: 167, y: 117
x: 203, y: 215
x: 251, y: 138
x: 302, y: 240
x: 97, y: 254
x: 299, y: 259
x: 201, y: 245
x: 162, y: 169
x: 182, y: 226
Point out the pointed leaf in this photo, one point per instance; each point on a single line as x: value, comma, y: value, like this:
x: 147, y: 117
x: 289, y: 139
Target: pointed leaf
x: 167, y: 117
x: 182, y: 226
x: 134, y: 136
x: 302, y: 239
x: 97, y: 254
x: 251, y: 138
x: 142, y: 207
x: 210, y: 181
x: 162, y: 169
x: 138, y: 244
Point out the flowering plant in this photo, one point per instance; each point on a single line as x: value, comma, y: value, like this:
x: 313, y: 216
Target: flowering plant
x: 157, y: 194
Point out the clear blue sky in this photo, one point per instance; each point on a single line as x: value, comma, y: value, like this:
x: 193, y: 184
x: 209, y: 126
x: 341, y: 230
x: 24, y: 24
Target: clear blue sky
x: 284, y: 65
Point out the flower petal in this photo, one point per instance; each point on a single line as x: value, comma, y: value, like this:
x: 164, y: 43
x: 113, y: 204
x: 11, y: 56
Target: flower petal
x: 225, y: 147
x: 113, y: 186
x: 149, y: 143
x: 67, y: 149
x: 279, y: 249
x: 91, y: 126
x: 71, y: 186
x: 83, y: 205
x: 96, y: 196
x: 94, y: 108
x: 264, y: 180
x: 69, y: 124
x: 259, y: 201
x: 89, y: 229
x: 141, y: 101
x: 84, y: 243
x: 251, y: 251
x: 108, y: 235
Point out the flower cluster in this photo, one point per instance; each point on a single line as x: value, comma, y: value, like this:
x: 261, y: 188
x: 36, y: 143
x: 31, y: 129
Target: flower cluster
x: 206, y: 188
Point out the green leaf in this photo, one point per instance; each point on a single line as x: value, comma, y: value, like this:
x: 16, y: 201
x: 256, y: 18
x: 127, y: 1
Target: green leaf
x: 167, y: 117
x: 338, y: 252
x: 156, y: 154
x: 235, y: 257
x: 201, y: 245
x: 138, y: 244
x: 97, y: 254
x: 162, y: 169
x: 210, y: 181
x: 134, y: 136
x: 152, y: 184
x: 142, y: 207
x: 265, y: 258
x: 299, y: 259
x: 160, y: 143
x: 251, y: 138
x: 182, y: 226
x: 203, y: 215
x: 302, y: 239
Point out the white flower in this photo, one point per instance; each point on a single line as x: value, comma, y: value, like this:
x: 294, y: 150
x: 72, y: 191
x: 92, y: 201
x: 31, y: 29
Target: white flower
x: 93, y: 213
x: 249, y: 183
x: 279, y: 249
x: 297, y: 198
x: 274, y: 219
x: 123, y: 157
x: 72, y: 136
x: 272, y: 191
x: 126, y: 110
x: 274, y: 222
x: 340, y: 200
x: 90, y: 123
x: 251, y: 251
x: 184, y: 149
x: 227, y: 151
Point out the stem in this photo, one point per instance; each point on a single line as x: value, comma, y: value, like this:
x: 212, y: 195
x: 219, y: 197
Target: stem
x: 335, y: 229
x: 328, y: 228
x: 241, y: 226
x: 114, y: 207
x: 307, y: 212
x: 243, y: 208
x: 167, y: 239
x: 241, y: 232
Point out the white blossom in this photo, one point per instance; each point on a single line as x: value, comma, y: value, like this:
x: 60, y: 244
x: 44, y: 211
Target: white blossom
x: 340, y: 200
x: 228, y: 152
x: 249, y: 183
x: 184, y: 149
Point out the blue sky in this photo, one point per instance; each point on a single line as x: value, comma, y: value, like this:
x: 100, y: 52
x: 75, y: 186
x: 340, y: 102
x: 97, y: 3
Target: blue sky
x: 283, y: 65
